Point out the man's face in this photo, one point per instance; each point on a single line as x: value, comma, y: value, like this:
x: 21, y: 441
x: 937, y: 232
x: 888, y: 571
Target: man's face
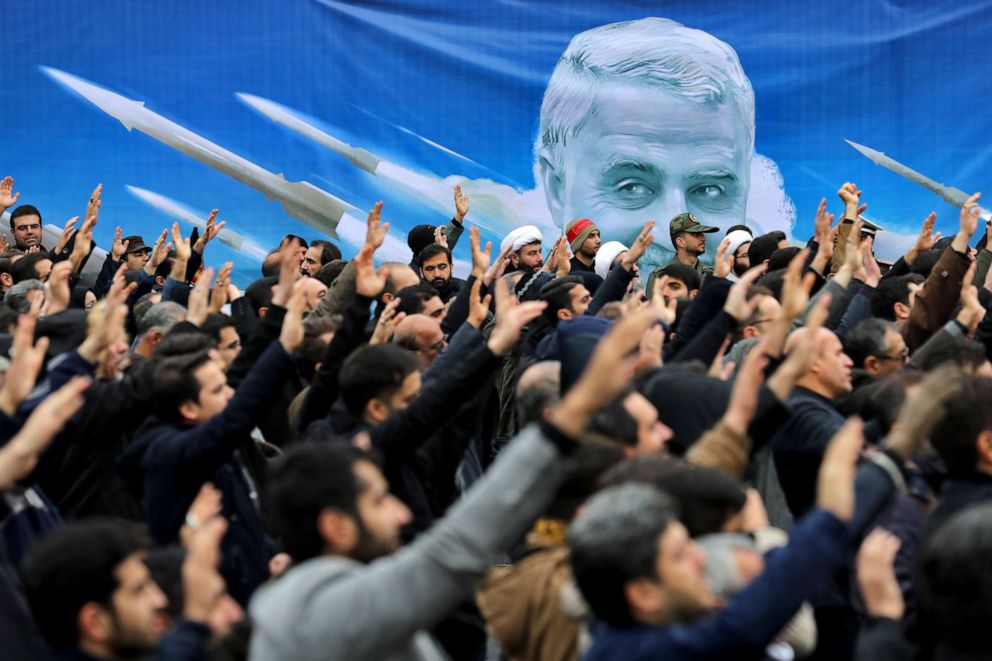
x: 769, y: 309
x: 674, y: 288
x: 311, y: 261
x: 680, y: 565
x: 27, y: 231
x: 742, y: 262
x: 895, y: 355
x: 693, y: 243
x: 834, y: 367
x: 402, y: 276
x: 434, y: 308
x: 313, y: 292
x: 135, y: 605
x: 401, y: 398
x: 591, y: 245
x: 528, y: 258
x: 136, y: 260
x: 436, y: 271
x: 431, y: 343
x: 43, y: 267
x: 580, y: 300
x: 652, y: 433
x: 646, y: 153
x: 301, y: 251
x: 382, y: 514
x: 229, y: 346
x: 214, y: 392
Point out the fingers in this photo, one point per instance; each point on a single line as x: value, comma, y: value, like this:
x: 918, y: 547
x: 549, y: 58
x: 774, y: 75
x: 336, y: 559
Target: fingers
x: 845, y: 447
x: 751, y: 275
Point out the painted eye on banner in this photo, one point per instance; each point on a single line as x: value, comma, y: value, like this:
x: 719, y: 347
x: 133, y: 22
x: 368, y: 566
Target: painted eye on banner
x: 633, y: 194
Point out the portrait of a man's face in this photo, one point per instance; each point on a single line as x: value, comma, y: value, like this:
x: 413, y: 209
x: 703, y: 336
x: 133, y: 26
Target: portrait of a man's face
x: 645, y: 120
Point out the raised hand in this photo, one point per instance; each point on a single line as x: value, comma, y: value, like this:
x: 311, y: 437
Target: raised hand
x: 651, y: 345
x: 640, y: 246
x: 480, y: 258
x: 666, y: 310
x: 851, y: 197
x: 737, y: 305
x: 511, y: 317
x: 744, y: 393
x: 84, y: 242
x: 439, y: 237
x: 218, y: 295
x: 385, y: 328
x: 925, y: 240
x: 206, y: 505
x: 20, y: 454
x: 57, y: 288
x: 870, y: 270
x: 824, y: 235
x: 564, y: 266
x: 119, y: 247
x: 93, y: 206
x: 8, y: 197
x: 795, y: 287
x: 835, y: 482
x: 609, y: 370
x: 723, y: 262
x: 26, y: 360
x: 291, y: 336
x: 199, y: 298
x: 797, y: 361
x: 210, y: 232
x: 160, y: 251
x: 461, y: 204
x: 923, y: 410
x: 369, y: 282
x: 202, y: 583
x: 478, y: 307
x: 495, y: 271
x: 67, y: 231
x: 968, y: 223
x: 375, y: 231
x: 877, y: 576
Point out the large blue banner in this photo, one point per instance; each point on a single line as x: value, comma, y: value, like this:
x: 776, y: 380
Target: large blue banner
x: 296, y: 115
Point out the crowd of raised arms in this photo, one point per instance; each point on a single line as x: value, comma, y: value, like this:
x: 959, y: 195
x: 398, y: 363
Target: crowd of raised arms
x: 787, y: 454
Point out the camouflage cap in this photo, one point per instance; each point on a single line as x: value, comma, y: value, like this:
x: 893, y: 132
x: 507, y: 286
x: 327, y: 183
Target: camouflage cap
x: 686, y: 222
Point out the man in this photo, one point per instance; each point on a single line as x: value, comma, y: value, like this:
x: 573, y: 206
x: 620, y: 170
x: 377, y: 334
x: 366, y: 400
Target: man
x: 137, y: 253
x: 877, y: 349
x: 153, y: 326
x: 894, y: 297
x: 203, y: 433
x: 689, y: 238
x: 680, y: 281
x: 313, y: 292
x: 34, y: 266
x: 422, y: 236
x: 349, y: 595
x: 435, y: 269
x: 763, y: 246
x: 93, y: 597
x: 299, y: 244
x: 523, y: 245
x: 798, y: 447
x: 767, y: 311
x: 585, y: 240
x: 25, y: 225
x: 739, y: 241
x: 421, y: 299
x: 319, y: 253
x: 646, y: 119
x: 421, y: 335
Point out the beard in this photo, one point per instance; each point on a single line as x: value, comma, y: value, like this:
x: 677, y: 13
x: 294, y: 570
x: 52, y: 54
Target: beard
x: 740, y: 268
x: 370, y: 547
x: 440, y: 284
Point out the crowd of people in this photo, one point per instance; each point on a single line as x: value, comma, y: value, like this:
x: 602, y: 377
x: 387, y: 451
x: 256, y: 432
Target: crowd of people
x: 786, y: 453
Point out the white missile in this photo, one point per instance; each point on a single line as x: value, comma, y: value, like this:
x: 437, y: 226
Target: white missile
x: 489, y: 212
x: 238, y: 242
x: 301, y: 199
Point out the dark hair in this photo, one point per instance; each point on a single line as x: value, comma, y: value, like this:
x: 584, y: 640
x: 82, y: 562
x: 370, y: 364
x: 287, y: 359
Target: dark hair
x: 413, y: 298
x: 866, y: 339
x: 558, y: 295
x: 966, y: 354
x: 303, y: 483
x: 706, y: 497
x: 330, y: 271
x: 328, y: 251
x: 373, y: 372
x: 26, y: 267
x: 615, y: 540
x: 173, y: 382
x: 763, y: 246
x: 24, y: 210
x: 891, y: 291
x: 165, y: 564
x: 164, y: 269
x: 780, y: 258
x: 259, y: 293
x: 956, y: 585
x: 73, y: 566
x: 925, y: 262
x: 734, y: 228
x: 966, y: 415
x: 615, y: 422
x: 215, y: 323
x: 181, y: 344
x: 294, y: 237
x: 680, y: 271
x: 433, y: 250
x: 886, y: 401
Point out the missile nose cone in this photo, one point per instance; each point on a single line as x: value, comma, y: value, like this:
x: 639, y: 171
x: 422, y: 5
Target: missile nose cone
x: 115, y: 105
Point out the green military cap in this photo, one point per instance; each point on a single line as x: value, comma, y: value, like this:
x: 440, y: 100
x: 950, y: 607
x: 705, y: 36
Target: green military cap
x: 686, y: 222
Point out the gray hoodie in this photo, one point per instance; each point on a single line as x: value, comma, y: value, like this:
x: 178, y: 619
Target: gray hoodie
x: 336, y: 608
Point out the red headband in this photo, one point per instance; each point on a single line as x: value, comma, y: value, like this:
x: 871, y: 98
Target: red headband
x: 578, y: 228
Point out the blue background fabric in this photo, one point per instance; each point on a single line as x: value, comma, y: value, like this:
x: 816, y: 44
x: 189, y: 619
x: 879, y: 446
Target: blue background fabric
x: 445, y: 92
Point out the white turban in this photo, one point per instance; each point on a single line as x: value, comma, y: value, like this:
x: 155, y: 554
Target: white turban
x: 607, y: 254
x: 737, y: 238
x: 521, y: 237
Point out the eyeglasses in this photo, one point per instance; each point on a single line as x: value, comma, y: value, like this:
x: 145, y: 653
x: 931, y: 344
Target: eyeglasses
x: 901, y: 356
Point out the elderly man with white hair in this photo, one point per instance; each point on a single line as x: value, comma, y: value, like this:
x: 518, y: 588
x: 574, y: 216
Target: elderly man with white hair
x: 646, y: 119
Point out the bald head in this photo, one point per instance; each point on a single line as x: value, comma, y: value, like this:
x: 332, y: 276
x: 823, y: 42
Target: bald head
x: 399, y: 276
x: 829, y: 369
x: 422, y: 335
x: 545, y: 374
